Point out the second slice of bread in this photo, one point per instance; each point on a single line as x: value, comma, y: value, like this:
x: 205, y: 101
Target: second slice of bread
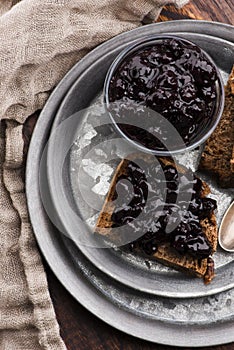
x: 218, y: 155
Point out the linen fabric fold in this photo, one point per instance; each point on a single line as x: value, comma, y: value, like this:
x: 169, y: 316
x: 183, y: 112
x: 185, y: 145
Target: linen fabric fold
x: 40, y: 40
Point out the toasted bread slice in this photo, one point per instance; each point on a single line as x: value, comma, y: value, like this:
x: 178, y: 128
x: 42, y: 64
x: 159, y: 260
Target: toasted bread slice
x: 232, y: 161
x: 165, y: 253
x: 218, y: 155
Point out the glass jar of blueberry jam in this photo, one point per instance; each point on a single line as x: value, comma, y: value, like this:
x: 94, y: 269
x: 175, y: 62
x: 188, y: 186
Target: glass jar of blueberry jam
x: 172, y: 77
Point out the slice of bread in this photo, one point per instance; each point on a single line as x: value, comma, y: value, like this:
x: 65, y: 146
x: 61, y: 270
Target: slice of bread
x: 231, y: 83
x: 165, y: 253
x: 218, y: 155
x: 232, y: 161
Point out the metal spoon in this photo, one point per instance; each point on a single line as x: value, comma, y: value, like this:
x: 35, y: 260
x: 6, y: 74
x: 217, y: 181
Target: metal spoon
x: 226, y: 230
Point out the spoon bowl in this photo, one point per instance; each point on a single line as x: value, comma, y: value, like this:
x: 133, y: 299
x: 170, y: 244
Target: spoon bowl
x: 226, y: 230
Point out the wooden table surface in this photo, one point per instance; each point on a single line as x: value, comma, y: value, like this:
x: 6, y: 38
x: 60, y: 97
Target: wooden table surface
x: 79, y: 328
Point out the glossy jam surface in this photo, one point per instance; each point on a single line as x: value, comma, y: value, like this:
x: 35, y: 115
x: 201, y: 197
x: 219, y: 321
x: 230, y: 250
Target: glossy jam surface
x: 147, y: 205
x: 172, y: 77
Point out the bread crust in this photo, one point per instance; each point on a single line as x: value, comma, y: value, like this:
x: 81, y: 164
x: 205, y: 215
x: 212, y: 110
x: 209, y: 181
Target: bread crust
x: 165, y: 254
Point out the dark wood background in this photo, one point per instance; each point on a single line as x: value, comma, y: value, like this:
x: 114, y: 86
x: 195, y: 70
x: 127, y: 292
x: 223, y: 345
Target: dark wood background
x: 79, y: 328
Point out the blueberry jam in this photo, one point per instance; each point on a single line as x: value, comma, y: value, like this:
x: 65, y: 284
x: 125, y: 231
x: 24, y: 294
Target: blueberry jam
x: 147, y: 192
x: 172, y: 77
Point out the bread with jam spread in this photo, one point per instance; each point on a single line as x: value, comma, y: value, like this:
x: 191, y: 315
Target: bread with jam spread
x: 165, y: 252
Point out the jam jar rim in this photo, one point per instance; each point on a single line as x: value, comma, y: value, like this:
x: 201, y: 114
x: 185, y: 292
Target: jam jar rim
x: 137, y: 46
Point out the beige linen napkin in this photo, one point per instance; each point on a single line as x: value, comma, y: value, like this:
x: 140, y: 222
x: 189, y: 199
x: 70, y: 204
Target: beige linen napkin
x: 40, y: 40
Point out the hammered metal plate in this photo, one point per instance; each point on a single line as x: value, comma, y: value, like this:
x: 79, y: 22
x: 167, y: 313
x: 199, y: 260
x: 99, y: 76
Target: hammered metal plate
x: 90, y: 172
x: 192, y: 322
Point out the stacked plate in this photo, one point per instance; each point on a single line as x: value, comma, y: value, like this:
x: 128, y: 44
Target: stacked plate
x: 67, y: 179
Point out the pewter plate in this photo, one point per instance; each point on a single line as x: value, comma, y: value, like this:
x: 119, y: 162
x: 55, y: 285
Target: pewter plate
x: 82, y: 185
x: 91, y: 288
